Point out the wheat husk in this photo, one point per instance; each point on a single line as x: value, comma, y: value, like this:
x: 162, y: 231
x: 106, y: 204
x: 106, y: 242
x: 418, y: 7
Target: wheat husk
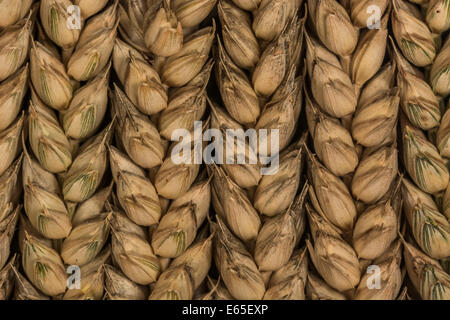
x: 423, y: 161
x: 25, y: 227
x: 121, y: 57
x: 438, y: 16
x: 369, y: 53
x: 192, y: 13
x: 49, y: 78
x: 288, y: 282
x: 445, y: 263
x: 32, y: 171
x: 377, y: 226
x: 123, y: 223
x: 271, y: 17
x: 376, y: 171
x: 174, y: 178
x: 442, y: 135
x: 131, y: 24
x: 135, y: 256
x: 119, y: 287
x: 10, y: 146
x: 11, y: 12
x: 333, y: 26
x: 93, y: 206
x: 291, y: 289
x: 333, y: 143
x: 335, y: 260
x: 186, y: 105
x: 236, y: 266
x: 359, y: 13
x: 175, y: 232
x: 74, y: 147
x: 54, y: 16
x: 140, y: 80
x: 238, y: 95
x: 296, y: 38
x: 279, y: 236
x: 218, y: 291
x: 412, y: 34
x: 439, y: 73
x: 430, y: 228
x: 383, y: 81
x: 331, y: 86
x: 178, y: 227
x: 47, y: 139
x: 7, y: 228
x: 183, y: 66
x: 245, y: 173
x: 390, y: 273
x: 71, y: 207
x: 163, y: 32
x: 139, y: 135
x: 237, y: 210
x: 14, y: 44
x: 427, y: 276
x: 135, y: 192
x: 12, y: 92
x: 330, y: 195
x: 90, y: 7
x: 43, y: 39
x: 87, y: 108
x: 24, y: 290
x: 87, y: 170
x: 10, y: 187
x: 95, y: 45
x: 297, y: 265
x: 46, y: 212
x: 173, y: 284
x: 197, y: 260
x: 267, y: 199
x: 374, y: 122
x: 275, y: 60
x: 249, y: 5
x: 44, y: 267
x: 238, y: 38
x: 446, y: 203
x: 417, y: 98
x: 42, y: 201
x: 86, y: 240
x: 144, y: 88
x: 281, y: 113
x: 317, y: 289
x: 7, y: 279
x: 165, y: 203
x: 165, y: 263
x: 92, y: 279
